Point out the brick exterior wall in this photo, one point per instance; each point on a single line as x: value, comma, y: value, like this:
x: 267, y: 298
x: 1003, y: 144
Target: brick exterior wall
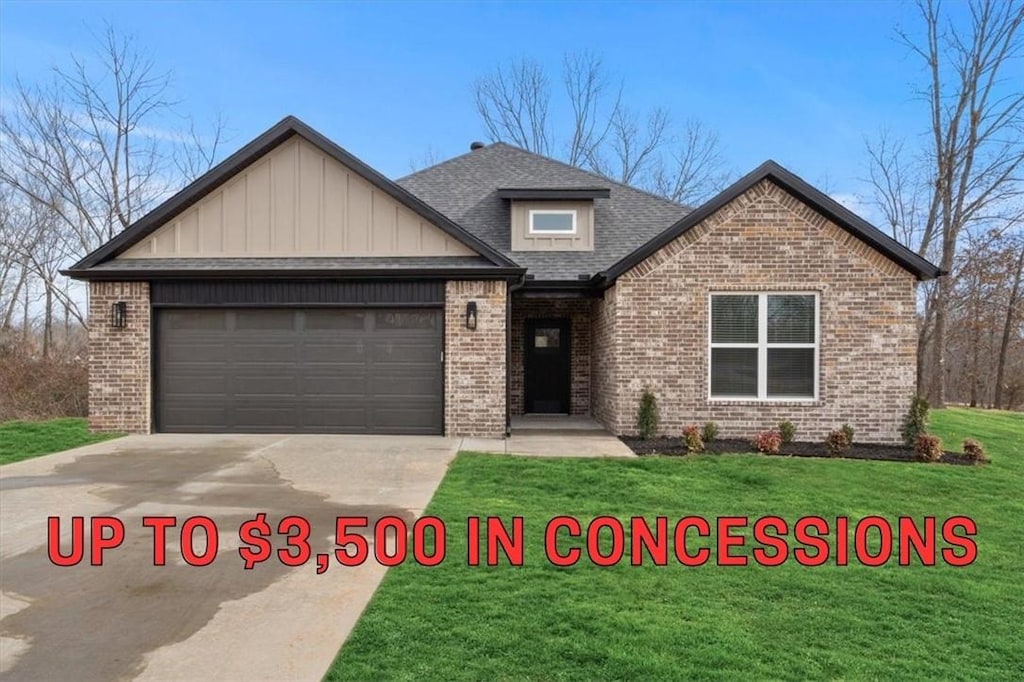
x: 651, y: 328
x: 604, y: 366
x: 475, y: 391
x: 119, y: 359
x: 578, y: 313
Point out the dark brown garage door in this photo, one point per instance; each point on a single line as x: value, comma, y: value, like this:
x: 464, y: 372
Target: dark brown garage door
x: 299, y: 371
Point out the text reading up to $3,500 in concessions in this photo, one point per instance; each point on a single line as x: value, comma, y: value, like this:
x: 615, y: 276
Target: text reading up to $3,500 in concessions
x: 603, y: 541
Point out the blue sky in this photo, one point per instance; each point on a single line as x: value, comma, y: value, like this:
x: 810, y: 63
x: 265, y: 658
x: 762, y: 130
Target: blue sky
x: 803, y: 83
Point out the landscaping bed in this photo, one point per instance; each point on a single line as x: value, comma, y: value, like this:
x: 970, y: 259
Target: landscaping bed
x: 723, y: 446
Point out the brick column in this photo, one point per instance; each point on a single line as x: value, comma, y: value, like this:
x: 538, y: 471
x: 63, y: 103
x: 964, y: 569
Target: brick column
x: 474, y: 401
x: 119, y: 359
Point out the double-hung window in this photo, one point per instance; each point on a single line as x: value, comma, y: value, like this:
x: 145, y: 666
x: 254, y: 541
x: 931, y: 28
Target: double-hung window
x: 764, y: 346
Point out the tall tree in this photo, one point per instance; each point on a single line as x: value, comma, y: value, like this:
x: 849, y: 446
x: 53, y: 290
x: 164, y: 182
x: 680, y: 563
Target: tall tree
x: 90, y: 150
x: 600, y: 133
x: 969, y: 173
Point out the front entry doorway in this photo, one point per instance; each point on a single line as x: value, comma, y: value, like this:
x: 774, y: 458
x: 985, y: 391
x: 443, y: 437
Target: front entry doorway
x: 547, y: 366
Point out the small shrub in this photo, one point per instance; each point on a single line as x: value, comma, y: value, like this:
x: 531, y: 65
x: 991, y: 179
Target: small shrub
x: 648, y: 416
x: 848, y: 432
x: 767, y: 442
x: 837, y: 442
x: 915, y: 421
x: 975, y: 451
x: 788, y: 431
x: 710, y: 432
x: 691, y: 436
x: 928, y: 448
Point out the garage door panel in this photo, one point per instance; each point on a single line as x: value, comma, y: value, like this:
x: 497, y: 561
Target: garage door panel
x: 295, y: 370
x: 195, y: 415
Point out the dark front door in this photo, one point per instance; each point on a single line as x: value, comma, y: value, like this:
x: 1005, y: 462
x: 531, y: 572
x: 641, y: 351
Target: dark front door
x: 547, y: 366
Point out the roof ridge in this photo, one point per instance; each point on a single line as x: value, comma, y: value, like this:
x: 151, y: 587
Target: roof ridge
x: 596, y: 176
x: 593, y: 174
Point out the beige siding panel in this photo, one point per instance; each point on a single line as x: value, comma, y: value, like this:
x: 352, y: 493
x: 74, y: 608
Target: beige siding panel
x: 311, y: 185
x: 407, y: 232
x: 211, y: 214
x: 235, y: 215
x: 283, y: 183
x: 582, y: 240
x: 188, y: 237
x: 360, y: 203
x: 163, y: 240
x: 258, y: 209
x: 335, y: 208
x: 297, y: 201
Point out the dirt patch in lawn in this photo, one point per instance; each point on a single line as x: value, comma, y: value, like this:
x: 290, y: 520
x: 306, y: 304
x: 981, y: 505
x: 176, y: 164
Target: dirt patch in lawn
x: 873, y: 451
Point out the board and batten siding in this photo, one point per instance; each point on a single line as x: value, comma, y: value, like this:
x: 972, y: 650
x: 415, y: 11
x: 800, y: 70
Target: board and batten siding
x: 297, y: 201
x: 581, y: 240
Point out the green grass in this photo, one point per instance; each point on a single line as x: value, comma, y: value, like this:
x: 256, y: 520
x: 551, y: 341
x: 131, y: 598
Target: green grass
x: 23, y: 440
x: 589, y: 623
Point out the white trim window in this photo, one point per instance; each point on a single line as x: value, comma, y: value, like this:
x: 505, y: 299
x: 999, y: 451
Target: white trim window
x: 551, y: 221
x: 764, y: 346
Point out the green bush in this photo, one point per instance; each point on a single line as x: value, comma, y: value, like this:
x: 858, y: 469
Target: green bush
x: 787, y: 430
x: 648, y: 416
x: 848, y: 432
x: 915, y: 421
x: 709, y: 432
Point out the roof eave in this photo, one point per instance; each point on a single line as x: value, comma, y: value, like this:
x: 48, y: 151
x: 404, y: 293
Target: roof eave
x: 804, y: 192
x: 108, y: 275
x: 226, y: 169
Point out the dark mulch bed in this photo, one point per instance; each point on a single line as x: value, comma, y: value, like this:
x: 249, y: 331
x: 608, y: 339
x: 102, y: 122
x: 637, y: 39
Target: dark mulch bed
x: 888, y: 453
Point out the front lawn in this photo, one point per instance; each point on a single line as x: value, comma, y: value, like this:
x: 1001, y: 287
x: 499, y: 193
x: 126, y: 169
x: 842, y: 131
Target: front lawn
x: 674, y: 622
x: 23, y: 440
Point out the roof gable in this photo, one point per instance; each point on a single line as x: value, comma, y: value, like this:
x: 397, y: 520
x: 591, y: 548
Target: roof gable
x: 411, y: 217
x: 470, y: 189
x: 803, y: 192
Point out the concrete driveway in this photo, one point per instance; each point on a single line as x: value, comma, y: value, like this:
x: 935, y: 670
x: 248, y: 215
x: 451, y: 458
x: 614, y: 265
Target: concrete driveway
x: 131, y: 619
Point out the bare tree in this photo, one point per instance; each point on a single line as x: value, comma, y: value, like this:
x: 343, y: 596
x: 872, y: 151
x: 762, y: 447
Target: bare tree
x: 86, y: 154
x: 600, y: 133
x: 970, y: 172
x: 695, y: 166
x: 513, y: 103
x: 1014, y: 311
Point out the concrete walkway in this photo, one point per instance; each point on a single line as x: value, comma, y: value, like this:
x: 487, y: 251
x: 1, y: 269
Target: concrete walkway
x: 130, y: 619
x: 552, y: 436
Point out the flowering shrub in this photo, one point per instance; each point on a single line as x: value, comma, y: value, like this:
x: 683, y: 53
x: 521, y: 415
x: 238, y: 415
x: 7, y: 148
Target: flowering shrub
x: 975, y: 451
x: 928, y: 448
x: 691, y: 436
x: 767, y: 442
x: 837, y: 442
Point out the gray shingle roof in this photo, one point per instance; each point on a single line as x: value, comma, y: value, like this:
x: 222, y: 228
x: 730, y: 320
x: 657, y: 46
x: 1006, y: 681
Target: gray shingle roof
x: 465, y: 189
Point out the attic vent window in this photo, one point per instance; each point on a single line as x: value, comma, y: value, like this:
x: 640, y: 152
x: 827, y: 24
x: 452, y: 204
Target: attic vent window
x: 552, y: 222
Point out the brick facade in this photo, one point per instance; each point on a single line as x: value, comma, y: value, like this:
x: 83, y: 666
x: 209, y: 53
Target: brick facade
x: 475, y: 391
x: 119, y: 359
x: 651, y: 328
x: 578, y: 313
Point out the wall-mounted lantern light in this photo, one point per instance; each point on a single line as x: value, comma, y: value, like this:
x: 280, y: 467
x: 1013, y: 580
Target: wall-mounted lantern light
x: 119, y: 315
x: 471, y: 315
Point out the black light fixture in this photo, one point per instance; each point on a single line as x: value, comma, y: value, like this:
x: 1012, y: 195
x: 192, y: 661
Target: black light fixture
x: 471, y: 315
x: 119, y: 315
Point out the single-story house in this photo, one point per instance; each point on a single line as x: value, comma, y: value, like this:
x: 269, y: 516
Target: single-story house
x: 295, y: 289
